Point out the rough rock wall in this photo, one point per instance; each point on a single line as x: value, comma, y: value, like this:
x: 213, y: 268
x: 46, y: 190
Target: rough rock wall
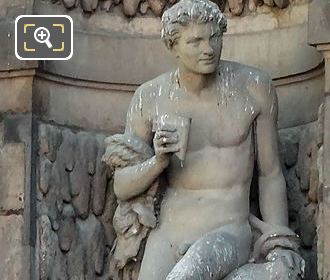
x: 75, y: 205
x: 301, y: 150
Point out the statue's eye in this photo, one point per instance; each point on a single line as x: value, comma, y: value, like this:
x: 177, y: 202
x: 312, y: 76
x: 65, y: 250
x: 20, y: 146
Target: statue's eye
x: 195, y: 40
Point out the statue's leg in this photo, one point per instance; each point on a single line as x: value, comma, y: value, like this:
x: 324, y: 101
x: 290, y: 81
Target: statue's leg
x: 159, y: 257
x: 273, y: 270
x: 250, y: 272
x: 215, y: 255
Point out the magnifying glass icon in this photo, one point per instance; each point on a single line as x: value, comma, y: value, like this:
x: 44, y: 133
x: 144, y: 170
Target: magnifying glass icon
x: 41, y: 35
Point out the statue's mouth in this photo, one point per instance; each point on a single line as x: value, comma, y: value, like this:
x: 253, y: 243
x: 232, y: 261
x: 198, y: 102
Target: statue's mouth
x: 210, y: 60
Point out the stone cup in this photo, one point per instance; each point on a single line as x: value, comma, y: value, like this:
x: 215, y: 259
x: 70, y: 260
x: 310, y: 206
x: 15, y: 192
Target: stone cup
x: 182, y: 126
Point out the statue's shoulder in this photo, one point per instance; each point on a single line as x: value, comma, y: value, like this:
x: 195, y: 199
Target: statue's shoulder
x: 148, y: 91
x: 154, y: 84
x: 244, y: 72
x: 257, y: 82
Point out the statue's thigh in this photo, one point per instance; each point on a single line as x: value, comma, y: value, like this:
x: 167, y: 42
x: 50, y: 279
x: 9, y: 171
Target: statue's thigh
x: 215, y: 254
x: 159, y: 257
x: 269, y: 270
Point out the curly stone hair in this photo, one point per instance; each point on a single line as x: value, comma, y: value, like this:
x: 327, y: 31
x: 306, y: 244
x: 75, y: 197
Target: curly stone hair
x: 186, y: 11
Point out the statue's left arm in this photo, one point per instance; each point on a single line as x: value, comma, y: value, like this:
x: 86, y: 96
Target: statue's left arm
x: 272, y: 186
x: 278, y: 242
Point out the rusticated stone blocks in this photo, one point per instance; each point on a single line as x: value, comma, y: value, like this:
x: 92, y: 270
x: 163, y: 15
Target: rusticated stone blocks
x: 11, y: 265
x: 12, y: 176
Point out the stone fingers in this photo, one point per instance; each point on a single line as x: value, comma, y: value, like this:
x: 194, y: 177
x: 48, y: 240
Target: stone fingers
x: 164, y: 138
x: 172, y: 149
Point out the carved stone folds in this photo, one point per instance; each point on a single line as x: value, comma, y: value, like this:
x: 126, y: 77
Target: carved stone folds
x: 131, y: 8
x: 75, y: 205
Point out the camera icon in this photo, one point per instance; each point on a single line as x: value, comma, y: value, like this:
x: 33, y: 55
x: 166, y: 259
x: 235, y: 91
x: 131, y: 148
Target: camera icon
x: 43, y: 37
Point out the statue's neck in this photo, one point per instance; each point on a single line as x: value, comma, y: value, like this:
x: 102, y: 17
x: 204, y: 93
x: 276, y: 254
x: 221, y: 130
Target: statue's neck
x: 194, y: 83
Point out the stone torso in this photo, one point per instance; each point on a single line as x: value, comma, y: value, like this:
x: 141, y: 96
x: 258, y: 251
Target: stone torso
x: 220, y: 147
x: 215, y: 177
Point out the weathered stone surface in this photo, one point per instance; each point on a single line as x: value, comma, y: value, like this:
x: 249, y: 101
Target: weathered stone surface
x: 81, y: 202
x: 297, y: 147
x: 47, y: 240
x: 78, y: 242
x: 307, y: 141
x: 93, y: 109
x: 49, y: 141
x: 68, y: 149
x: 12, y: 176
x: 66, y: 233
x: 105, y: 109
x: 80, y: 176
x: 308, y: 225
x: 107, y: 216
x: 9, y: 10
x: 86, y: 257
x: 12, y: 254
x: 280, y: 40
x: 100, y: 182
x: 89, y: 5
x: 236, y: 7
x: 76, y: 260
x: 310, y: 256
x: 52, y: 264
x: 92, y: 238
x: 44, y: 175
x: 2, y: 134
x: 16, y: 94
x: 305, y: 95
x: 130, y: 7
x: 319, y: 22
x: 157, y: 6
x: 69, y: 3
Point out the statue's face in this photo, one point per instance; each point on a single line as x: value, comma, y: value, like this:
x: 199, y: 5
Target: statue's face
x: 199, y: 47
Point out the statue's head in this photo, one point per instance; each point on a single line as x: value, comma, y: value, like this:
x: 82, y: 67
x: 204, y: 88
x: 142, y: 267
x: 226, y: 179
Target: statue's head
x: 193, y: 30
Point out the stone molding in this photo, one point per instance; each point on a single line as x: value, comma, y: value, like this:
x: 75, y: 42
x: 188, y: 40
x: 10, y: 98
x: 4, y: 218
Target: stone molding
x: 131, y: 8
x: 72, y: 102
x: 16, y: 95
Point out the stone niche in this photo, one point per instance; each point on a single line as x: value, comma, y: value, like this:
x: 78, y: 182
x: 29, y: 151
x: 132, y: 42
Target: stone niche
x: 62, y: 210
x: 79, y: 102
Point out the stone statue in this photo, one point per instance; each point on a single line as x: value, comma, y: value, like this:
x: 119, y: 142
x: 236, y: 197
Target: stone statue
x: 183, y: 167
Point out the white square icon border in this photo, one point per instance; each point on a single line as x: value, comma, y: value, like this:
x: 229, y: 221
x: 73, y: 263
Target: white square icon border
x: 44, y: 58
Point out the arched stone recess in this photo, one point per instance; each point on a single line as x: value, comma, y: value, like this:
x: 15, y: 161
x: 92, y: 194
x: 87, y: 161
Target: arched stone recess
x: 103, y: 106
x: 112, y: 48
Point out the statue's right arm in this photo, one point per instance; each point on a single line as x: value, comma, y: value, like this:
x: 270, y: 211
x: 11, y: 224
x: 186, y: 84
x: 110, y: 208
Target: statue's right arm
x: 133, y: 180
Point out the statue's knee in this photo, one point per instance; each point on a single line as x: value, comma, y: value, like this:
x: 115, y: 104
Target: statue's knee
x: 280, y: 270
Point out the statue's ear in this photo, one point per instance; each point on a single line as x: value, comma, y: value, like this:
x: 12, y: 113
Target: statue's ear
x: 174, y: 49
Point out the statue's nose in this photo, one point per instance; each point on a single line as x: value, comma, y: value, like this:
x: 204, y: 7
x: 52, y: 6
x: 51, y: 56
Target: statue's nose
x: 208, y: 50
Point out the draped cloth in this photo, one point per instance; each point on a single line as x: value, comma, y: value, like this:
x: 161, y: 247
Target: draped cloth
x: 134, y: 218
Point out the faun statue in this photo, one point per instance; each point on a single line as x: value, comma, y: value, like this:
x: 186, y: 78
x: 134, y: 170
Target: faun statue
x: 183, y: 167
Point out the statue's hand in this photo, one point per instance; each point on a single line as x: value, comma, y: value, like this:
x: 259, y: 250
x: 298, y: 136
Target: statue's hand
x: 165, y: 144
x: 290, y: 259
